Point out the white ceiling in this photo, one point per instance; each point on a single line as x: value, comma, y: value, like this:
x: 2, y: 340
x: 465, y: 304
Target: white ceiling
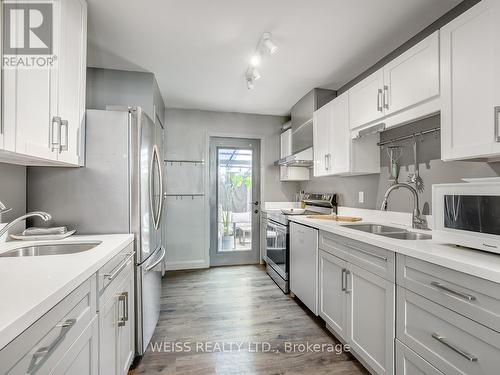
x: 199, y: 49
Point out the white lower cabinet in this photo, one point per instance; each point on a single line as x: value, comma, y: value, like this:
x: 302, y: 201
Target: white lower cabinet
x: 332, y: 297
x: 370, y: 317
x: 356, y: 304
x: 82, y: 334
x: 116, y: 323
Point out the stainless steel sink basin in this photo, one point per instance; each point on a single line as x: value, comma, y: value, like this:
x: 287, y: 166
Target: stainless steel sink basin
x: 391, y: 232
x: 411, y: 236
x: 51, y: 249
x: 374, y: 228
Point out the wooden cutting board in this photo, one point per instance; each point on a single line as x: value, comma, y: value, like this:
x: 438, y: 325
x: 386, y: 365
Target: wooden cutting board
x: 351, y: 219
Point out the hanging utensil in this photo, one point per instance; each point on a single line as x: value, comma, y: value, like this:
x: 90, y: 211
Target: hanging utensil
x: 415, y: 177
x: 394, y: 153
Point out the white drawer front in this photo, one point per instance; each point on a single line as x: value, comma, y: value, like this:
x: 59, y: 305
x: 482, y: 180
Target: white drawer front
x: 374, y: 259
x: 476, y: 298
x: 110, y: 270
x: 333, y: 244
x: 410, y: 363
x: 40, y: 347
x: 451, y: 342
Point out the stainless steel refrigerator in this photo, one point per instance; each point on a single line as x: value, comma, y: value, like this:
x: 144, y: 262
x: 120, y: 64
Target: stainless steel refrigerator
x: 120, y: 190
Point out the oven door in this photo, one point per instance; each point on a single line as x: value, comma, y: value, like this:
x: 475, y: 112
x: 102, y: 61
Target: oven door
x: 277, y: 248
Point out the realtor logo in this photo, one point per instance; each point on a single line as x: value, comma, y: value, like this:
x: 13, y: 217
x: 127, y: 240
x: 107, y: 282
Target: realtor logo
x: 28, y: 28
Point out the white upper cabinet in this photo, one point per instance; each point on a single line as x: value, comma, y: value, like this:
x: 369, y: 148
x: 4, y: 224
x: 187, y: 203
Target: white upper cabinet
x: 44, y: 107
x: 413, y: 77
x: 322, y: 119
x: 405, y: 89
x: 470, y: 81
x: 335, y: 152
x: 365, y: 100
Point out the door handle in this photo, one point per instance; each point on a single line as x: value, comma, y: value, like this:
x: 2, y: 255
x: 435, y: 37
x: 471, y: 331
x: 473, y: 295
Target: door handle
x: 121, y: 301
x: 342, y: 280
x: 497, y: 124
x: 63, y: 146
x: 155, y: 160
x: 386, y: 97
x: 326, y: 161
x: 55, y: 133
x: 379, y: 100
x: 346, y: 276
x: 151, y: 266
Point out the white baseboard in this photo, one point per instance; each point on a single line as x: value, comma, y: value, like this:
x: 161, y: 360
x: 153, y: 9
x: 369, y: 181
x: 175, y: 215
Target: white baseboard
x: 186, y: 265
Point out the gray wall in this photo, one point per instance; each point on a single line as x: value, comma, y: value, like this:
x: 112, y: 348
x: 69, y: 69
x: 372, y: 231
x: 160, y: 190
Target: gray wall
x: 186, y: 137
x: 124, y: 88
x: 13, y: 190
x: 432, y: 170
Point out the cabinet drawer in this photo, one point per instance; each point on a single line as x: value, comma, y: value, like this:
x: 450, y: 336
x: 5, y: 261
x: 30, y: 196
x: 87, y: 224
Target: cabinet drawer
x: 371, y: 258
x: 451, y: 342
x: 476, y: 298
x: 333, y: 244
x: 110, y: 271
x: 41, y: 346
x: 410, y: 363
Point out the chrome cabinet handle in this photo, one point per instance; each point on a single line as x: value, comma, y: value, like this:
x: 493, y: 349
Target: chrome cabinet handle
x: 42, y: 354
x: 346, y: 276
x: 63, y: 146
x: 55, y: 134
x: 342, y: 279
x: 368, y: 253
x: 123, y: 300
x: 456, y: 349
x: 465, y: 296
x: 111, y: 276
x: 155, y: 159
x: 151, y: 266
x: 326, y: 161
x: 329, y: 161
x: 379, y: 100
x: 386, y: 97
x: 497, y: 124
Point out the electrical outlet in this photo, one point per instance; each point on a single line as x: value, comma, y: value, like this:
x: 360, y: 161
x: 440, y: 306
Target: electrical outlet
x: 361, y: 197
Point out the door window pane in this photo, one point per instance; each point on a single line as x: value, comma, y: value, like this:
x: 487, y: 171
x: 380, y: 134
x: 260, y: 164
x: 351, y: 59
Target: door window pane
x: 234, y: 206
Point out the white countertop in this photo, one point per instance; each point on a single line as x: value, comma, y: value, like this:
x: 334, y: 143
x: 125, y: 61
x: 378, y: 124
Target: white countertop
x: 31, y: 286
x: 473, y: 262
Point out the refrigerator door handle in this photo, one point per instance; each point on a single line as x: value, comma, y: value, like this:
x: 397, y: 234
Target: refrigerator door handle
x: 149, y: 267
x: 155, y: 162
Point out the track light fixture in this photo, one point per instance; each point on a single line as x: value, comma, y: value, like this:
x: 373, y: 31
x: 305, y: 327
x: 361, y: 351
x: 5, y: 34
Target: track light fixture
x: 266, y: 46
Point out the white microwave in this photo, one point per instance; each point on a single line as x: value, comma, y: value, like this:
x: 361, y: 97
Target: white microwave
x: 467, y: 214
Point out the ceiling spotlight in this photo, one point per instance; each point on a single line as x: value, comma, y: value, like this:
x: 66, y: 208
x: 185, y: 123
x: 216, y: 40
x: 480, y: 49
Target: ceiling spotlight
x: 256, y: 59
x: 255, y: 74
x: 268, y: 43
x: 250, y: 84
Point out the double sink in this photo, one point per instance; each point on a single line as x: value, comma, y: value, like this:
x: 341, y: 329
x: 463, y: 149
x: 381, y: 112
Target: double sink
x: 390, y: 232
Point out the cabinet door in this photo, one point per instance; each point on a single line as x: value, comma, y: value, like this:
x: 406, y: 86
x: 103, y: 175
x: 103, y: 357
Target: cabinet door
x: 72, y: 64
x: 82, y: 358
x: 370, y: 309
x: 413, y: 77
x: 340, y: 136
x: 332, y: 297
x: 365, y: 100
x: 126, y: 337
x: 470, y: 82
x: 322, y: 119
x: 304, y: 265
x: 108, y: 336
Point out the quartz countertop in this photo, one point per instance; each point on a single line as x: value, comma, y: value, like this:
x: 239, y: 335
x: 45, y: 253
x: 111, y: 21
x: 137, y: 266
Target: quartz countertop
x: 31, y: 286
x: 473, y: 262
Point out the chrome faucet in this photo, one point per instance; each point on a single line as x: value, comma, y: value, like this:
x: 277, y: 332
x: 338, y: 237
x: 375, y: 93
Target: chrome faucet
x: 418, y: 221
x: 43, y: 215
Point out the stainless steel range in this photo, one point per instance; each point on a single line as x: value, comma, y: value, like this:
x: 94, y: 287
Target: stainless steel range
x: 277, y: 238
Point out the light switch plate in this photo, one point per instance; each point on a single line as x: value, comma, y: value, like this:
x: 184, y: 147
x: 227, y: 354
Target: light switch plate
x: 361, y: 197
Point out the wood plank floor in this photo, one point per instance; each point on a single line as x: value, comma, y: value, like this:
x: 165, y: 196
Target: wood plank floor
x: 239, y: 305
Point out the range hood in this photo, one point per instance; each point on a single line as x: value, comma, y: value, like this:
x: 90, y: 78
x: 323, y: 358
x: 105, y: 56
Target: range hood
x: 303, y: 158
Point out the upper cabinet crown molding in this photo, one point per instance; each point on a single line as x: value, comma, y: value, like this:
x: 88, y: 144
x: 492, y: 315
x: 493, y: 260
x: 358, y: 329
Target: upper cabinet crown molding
x: 404, y: 90
x: 470, y: 81
x: 44, y: 109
